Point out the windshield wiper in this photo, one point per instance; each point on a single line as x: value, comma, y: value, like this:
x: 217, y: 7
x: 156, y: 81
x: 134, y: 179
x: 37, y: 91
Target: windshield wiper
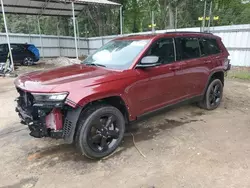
x: 95, y: 64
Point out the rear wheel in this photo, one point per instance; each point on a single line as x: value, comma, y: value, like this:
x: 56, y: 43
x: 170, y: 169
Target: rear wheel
x: 100, y: 131
x: 213, y: 95
x: 28, y: 61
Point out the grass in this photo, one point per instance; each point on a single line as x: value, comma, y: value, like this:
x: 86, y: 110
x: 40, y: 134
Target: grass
x: 244, y: 75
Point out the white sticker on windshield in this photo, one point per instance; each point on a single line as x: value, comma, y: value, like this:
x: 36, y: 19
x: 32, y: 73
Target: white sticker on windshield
x: 139, y: 43
x: 103, y: 56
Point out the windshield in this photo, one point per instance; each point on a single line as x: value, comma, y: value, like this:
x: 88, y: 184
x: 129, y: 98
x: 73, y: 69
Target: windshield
x: 117, y: 54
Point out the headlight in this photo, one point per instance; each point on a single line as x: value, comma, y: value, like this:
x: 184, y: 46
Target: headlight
x: 40, y: 97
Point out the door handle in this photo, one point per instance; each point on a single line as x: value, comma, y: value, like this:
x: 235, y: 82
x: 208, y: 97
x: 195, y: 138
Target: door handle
x: 208, y: 61
x: 173, y: 68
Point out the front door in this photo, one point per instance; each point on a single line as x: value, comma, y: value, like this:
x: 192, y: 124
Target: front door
x: 3, y: 53
x: 156, y: 86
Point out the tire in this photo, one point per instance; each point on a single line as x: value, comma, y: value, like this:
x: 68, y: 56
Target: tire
x: 27, y: 61
x: 213, y: 95
x: 100, y: 131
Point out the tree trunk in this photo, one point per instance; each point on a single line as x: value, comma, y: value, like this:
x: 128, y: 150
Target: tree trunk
x: 171, y: 16
x: 165, y: 9
x: 65, y: 22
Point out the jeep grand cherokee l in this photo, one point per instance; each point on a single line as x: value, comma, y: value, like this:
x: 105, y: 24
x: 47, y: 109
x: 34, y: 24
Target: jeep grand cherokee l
x: 90, y: 103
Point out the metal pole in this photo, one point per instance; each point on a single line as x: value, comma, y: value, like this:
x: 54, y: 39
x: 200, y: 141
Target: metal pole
x: 74, y: 23
x: 58, y: 35
x: 210, y: 15
x: 28, y: 25
x: 204, y: 16
x: 121, y: 21
x: 153, y: 22
x: 78, y: 34
x: 7, y: 36
x: 41, y: 42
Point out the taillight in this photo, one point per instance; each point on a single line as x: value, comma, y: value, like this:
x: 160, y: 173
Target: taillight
x: 226, y: 63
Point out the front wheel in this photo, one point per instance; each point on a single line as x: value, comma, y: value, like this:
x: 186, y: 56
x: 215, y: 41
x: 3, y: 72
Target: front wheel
x: 213, y: 95
x: 100, y: 131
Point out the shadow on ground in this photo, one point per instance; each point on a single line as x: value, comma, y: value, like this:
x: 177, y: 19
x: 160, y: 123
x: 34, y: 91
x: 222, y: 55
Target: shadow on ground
x: 29, y: 182
x: 65, y: 152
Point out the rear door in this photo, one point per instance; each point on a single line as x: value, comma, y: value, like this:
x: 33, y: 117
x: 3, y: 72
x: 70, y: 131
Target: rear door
x: 194, y: 71
x: 18, y: 53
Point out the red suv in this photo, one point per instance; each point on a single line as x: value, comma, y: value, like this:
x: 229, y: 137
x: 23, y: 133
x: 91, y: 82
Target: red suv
x: 90, y: 103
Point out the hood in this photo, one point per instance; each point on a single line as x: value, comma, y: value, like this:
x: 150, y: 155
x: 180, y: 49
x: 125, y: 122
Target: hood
x: 63, y: 78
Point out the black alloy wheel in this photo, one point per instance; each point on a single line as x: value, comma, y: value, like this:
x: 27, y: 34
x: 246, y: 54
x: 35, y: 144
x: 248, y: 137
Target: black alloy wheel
x: 103, y: 133
x: 100, y: 131
x: 213, y: 95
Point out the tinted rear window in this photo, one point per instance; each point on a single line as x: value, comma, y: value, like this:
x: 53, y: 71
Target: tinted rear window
x: 187, y: 48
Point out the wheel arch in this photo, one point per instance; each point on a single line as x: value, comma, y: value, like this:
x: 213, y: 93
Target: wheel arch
x: 218, y: 74
x: 72, y: 117
x: 114, y: 100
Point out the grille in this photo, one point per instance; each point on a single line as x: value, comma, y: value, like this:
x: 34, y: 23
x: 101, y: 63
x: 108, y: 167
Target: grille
x: 67, y: 127
x: 26, y: 99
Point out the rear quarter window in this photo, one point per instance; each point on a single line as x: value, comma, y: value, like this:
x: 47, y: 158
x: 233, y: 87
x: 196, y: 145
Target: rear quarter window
x: 213, y: 46
x: 208, y: 46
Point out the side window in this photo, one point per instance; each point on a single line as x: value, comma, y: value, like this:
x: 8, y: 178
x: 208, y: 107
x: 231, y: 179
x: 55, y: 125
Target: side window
x: 204, y: 47
x: 2, y: 48
x: 17, y: 48
x: 213, y: 46
x: 187, y: 48
x: 208, y: 47
x: 164, y: 49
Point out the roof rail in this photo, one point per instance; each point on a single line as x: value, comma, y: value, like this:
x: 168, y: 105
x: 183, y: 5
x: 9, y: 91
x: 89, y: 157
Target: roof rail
x: 197, y: 32
x: 139, y: 34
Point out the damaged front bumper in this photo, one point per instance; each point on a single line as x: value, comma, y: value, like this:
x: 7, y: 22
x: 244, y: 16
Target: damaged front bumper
x: 43, y: 119
x: 44, y: 126
x: 53, y: 119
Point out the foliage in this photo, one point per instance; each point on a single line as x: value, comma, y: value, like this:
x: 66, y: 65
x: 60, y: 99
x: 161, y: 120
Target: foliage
x: 243, y: 74
x: 104, y: 20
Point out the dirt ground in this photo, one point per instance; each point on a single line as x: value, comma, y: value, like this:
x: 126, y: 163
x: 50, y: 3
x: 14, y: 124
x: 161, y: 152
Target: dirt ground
x: 184, y: 147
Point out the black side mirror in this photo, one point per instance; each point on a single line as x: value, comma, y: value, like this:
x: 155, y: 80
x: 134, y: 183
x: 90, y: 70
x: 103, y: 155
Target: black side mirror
x: 148, y: 61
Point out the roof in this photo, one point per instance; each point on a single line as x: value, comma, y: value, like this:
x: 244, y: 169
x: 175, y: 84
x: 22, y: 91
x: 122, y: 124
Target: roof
x: 16, y: 43
x: 172, y: 34
x: 50, y: 7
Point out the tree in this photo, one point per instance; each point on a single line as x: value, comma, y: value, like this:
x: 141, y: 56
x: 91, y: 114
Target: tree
x: 96, y: 21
